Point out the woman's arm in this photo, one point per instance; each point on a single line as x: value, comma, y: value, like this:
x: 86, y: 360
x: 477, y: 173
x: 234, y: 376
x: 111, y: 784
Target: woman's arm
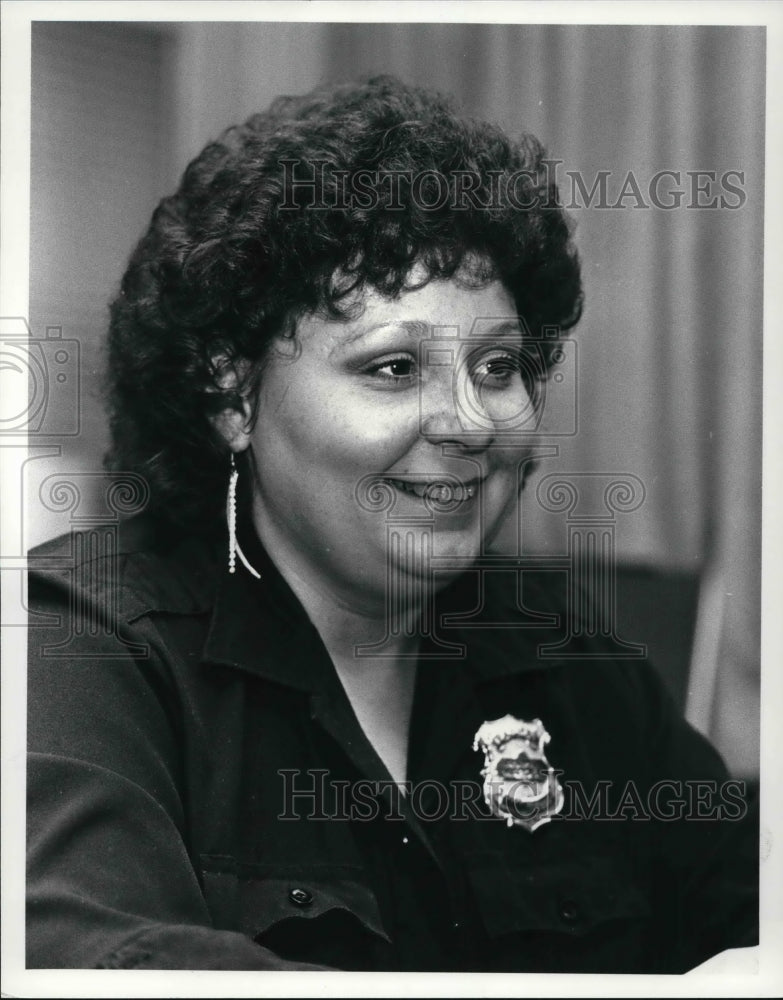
x: 705, y: 838
x: 110, y: 880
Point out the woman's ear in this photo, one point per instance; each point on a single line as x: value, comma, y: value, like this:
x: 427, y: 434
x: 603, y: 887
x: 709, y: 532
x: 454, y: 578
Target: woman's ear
x: 234, y: 422
x: 234, y: 425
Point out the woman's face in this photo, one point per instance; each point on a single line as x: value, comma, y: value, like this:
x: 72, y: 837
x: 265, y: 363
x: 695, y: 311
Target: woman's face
x: 387, y: 439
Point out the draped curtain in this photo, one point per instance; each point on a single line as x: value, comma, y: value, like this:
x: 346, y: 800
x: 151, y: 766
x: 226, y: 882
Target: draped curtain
x: 669, y: 350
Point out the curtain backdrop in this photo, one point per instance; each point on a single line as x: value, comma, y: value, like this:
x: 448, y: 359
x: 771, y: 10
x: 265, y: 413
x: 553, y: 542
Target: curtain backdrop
x: 669, y: 351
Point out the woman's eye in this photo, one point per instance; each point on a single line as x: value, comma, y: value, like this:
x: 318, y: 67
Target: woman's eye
x: 499, y: 369
x: 394, y: 370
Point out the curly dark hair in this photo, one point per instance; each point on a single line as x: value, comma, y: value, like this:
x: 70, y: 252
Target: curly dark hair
x: 261, y: 226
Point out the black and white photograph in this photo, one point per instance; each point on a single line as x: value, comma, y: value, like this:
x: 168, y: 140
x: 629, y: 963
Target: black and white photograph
x: 388, y: 499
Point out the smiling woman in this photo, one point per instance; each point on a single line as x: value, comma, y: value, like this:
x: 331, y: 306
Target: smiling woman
x: 260, y: 749
x: 360, y: 401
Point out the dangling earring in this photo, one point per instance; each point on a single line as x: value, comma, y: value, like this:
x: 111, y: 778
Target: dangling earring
x: 231, y: 516
x: 234, y: 549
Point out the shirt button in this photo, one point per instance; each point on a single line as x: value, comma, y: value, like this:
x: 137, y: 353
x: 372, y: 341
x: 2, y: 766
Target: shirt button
x: 569, y: 911
x: 300, y: 897
x: 405, y: 840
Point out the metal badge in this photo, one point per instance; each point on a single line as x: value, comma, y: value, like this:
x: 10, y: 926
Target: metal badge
x: 519, y: 784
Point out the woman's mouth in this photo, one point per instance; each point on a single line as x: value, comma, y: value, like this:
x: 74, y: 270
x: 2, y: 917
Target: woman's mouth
x: 438, y: 491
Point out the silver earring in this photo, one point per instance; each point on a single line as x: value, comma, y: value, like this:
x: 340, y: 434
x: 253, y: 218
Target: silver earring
x: 234, y: 549
x: 231, y: 515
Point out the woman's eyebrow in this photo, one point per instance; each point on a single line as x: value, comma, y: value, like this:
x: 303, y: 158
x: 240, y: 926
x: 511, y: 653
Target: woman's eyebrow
x: 419, y: 329
x: 414, y: 328
x: 497, y: 328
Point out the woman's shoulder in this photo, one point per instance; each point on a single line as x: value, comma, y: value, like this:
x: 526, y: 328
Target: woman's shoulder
x: 541, y: 650
x: 533, y: 622
x: 132, y: 567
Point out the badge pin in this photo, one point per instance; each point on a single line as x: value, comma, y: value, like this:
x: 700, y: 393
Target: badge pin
x: 520, y: 786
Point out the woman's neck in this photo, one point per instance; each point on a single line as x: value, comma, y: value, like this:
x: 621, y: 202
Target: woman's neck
x: 347, y: 612
x: 351, y: 620
x: 348, y: 622
x: 379, y: 688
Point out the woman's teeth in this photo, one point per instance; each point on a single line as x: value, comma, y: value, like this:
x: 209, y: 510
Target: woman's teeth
x: 441, y: 492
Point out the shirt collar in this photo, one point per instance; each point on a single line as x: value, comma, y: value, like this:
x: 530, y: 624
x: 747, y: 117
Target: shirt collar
x: 260, y: 626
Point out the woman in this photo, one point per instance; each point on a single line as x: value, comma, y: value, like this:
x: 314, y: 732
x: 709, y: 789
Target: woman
x: 327, y: 358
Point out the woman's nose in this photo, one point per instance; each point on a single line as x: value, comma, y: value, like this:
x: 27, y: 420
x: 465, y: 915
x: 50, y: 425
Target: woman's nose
x: 452, y: 411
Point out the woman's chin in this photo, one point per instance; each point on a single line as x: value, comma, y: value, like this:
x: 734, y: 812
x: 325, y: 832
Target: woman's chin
x: 436, y: 556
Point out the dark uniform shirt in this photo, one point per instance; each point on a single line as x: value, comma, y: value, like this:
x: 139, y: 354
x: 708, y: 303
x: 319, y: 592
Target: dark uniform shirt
x: 201, y: 795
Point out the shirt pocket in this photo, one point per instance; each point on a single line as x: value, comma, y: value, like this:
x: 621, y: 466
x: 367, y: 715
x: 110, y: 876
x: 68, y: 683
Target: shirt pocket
x: 322, y: 914
x: 583, y: 914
